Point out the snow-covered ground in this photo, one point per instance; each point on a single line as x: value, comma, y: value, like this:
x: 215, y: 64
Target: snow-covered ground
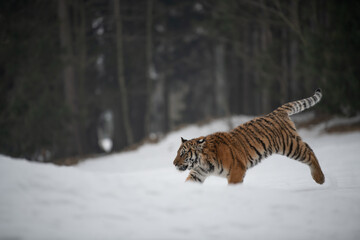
x: 140, y: 195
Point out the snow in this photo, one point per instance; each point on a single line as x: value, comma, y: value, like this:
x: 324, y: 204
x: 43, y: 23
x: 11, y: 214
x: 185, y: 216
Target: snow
x: 140, y: 195
x: 106, y: 144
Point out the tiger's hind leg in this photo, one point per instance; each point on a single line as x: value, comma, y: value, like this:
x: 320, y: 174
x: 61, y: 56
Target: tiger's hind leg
x: 314, y: 165
x: 302, y: 152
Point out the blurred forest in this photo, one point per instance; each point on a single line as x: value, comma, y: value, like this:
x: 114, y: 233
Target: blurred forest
x: 79, y: 77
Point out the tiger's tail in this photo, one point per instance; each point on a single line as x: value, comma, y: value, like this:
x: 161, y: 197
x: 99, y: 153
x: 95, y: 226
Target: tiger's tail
x: 300, y: 105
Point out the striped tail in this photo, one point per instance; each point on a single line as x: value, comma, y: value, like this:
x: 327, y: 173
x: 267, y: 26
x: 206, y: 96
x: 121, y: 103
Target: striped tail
x: 300, y: 105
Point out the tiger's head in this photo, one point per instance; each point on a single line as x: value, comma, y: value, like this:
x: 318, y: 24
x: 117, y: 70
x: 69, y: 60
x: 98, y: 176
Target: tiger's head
x: 190, y: 153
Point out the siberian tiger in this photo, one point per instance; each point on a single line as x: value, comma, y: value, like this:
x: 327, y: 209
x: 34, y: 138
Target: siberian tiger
x: 230, y: 154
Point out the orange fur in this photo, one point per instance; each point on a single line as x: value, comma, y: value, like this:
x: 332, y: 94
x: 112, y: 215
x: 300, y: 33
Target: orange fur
x: 230, y: 154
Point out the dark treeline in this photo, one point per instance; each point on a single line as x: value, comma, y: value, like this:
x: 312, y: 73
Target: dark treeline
x: 75, y: 72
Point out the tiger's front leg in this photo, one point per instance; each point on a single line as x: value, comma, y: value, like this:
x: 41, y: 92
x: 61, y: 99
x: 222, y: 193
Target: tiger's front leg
x: 236, y: 176
x: 195, y: 176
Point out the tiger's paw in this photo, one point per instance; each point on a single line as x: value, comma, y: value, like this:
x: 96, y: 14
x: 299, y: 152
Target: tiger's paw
x: 318, y: 176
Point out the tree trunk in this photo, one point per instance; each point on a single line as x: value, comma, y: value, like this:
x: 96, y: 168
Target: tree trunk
x: 69, y: 72
x: 219, y: 72
x: 221, y: 93
x: 150, y: 67
x: 82, y: 51
x: 284, y: 67
x: 245, y: 77
x: 120, y: 74
x: 265, y: 42
x: 166, y: 127
x: 294, y: 48
x: 81, y: 63
x: 257, y: 84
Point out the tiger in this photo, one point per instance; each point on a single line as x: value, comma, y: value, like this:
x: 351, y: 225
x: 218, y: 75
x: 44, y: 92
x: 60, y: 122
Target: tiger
x: 230, y: 154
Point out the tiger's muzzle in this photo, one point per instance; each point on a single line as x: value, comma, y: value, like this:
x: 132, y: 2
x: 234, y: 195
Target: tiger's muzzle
x: 180, y: 165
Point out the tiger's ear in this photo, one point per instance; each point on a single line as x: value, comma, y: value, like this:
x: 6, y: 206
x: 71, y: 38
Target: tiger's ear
x: 183, y: 140
x: 202, y: 140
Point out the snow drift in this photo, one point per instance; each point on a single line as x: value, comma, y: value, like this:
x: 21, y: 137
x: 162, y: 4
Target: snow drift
x: 140, y: 195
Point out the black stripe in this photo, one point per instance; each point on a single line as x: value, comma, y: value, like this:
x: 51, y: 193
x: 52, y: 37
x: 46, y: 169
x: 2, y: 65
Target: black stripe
x: 273, y: 117
x: 304, y: 104
x: 297, y: 148
x: 219, y: 138
x: 309, y: 148
x: 227, y: 143
x: 284, y: 145
x: 300, y: 152
x: 307, y: 158
x: 314, y: 98
x: 232, y: 156
x: 215, y: 152
x: 236, y: 133
x: 253, y: 135
x: 273, y: 142
x: 287, y: 107
x: 286, y: 125
x: 218, y: 143
x: 196, y: 156
x: 240, y: 162
x: 221, y: 170
x: 193, y: 176
x: 276, y: 132
x: 278, y: 135
x: 248, y: 142
x: 211, y: 166
x: 218, y: 163
x: 303, y: 154
x: 222, y: 139
x: 202, y: 170
x: 294, y: 107
x: 229, y: 172
x: 264, y: 134
x: 283, y: 126
x: 243, y: 144
x: 291, y: 145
